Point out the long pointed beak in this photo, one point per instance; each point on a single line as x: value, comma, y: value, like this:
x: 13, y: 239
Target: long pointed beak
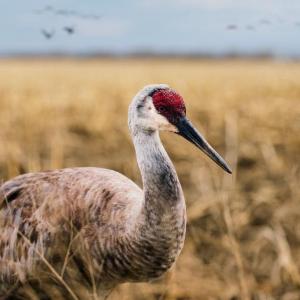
x: 187, y: 130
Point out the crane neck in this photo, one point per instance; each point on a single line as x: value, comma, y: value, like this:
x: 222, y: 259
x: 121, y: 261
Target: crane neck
x: 162, y: 189
x: 161, y: 222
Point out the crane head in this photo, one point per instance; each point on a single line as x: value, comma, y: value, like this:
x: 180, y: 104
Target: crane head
x: 158, y: 107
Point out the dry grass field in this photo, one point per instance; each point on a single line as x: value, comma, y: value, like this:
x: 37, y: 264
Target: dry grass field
x: 243, y: 235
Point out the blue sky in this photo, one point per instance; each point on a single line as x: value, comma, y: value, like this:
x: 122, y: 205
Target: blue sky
x: 157, y: 25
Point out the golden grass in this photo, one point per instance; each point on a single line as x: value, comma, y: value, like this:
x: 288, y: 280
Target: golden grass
x: 243, y: 237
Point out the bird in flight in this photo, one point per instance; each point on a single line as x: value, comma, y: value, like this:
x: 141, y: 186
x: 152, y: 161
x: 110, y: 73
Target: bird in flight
x: 48, y: 34
x: 69, y: 29
x: 232, y: 27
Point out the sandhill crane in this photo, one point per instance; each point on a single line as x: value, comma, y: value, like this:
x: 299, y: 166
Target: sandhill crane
x: 231, y: 27
x: 69, y: 29
x: 48, y: 34
x: 95, y: 224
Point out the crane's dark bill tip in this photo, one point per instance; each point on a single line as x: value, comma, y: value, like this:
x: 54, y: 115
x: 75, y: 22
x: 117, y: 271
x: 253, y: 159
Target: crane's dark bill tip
x: 187, y: 130
x: 228, y: 170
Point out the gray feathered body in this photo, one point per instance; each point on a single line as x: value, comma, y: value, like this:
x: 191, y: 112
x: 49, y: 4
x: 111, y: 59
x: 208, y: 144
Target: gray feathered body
x: 113, y: 231
x: 93, y: 224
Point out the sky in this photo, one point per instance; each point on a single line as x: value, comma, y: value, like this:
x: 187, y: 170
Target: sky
x: 199, y: 26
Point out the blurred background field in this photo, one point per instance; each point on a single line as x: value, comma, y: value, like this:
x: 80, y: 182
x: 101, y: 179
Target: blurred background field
x: 243, y: 236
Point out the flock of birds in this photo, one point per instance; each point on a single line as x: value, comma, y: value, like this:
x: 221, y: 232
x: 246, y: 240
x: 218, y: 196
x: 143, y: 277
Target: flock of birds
x: 68, y: 29
x: 261, y: 22
x: 48, y: 34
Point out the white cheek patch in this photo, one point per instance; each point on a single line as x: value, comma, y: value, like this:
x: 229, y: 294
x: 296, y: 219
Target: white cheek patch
x: 152, y: 119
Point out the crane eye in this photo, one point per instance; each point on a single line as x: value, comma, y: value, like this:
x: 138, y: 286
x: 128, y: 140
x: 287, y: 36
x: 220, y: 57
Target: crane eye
x: 162, y: 109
